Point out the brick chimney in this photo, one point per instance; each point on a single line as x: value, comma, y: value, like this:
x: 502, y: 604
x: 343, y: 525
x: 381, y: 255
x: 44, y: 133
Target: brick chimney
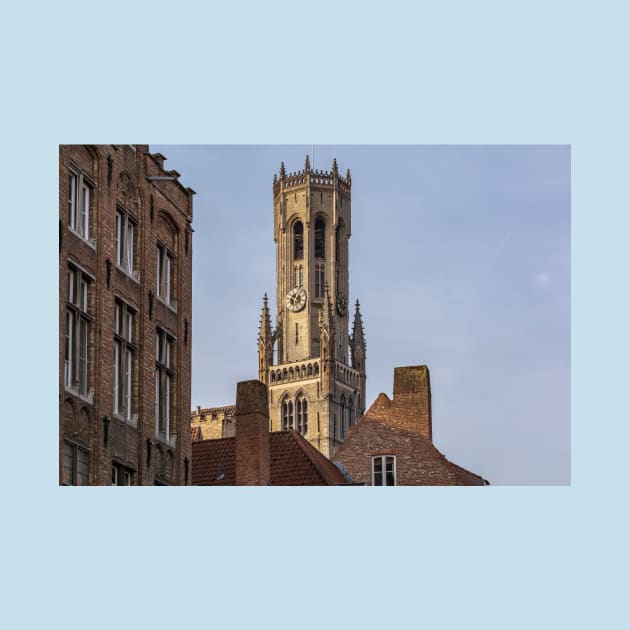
x: 411, y: 407
x: 252, y: 434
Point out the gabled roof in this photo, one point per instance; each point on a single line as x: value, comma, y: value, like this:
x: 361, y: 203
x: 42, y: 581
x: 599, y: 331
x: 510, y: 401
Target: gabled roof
x: 294, y: 462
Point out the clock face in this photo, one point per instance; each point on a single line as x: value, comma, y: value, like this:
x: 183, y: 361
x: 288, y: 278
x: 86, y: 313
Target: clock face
x: 296, y: 299
x: 342, y: 304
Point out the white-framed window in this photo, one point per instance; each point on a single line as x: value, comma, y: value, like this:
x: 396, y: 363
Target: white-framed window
x: 126, y: 230
x: 384, y: 470
x: 124, y: 356
x: 79, y: 200
x: 74, y: 465
x: 77, y: 332
x: 164, y: 377
x: 165, y: 268
x: 320, y: 279
x: 121, y: 475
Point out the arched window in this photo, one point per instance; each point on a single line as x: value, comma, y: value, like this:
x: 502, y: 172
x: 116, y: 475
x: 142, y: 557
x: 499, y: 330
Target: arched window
x: 342, y: 424
x: 287, y: 415
x: 298, y: 276
x: 320, y: 233
x: 301, y: 408
x: 351, y: 411
x: 298, y: 241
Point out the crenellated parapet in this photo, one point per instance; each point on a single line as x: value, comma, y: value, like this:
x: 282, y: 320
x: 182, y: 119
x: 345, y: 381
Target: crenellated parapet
x: 313, y: 177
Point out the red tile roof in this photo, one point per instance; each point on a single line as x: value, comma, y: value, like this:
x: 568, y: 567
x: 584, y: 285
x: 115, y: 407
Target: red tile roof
x: 294, y: 462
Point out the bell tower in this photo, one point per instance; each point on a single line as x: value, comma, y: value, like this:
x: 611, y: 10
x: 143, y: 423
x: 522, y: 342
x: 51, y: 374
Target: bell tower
x: 313, y: 368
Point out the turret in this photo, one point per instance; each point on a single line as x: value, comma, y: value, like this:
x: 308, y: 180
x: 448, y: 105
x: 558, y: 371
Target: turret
x: 358, y: 347
x: 265, y: 342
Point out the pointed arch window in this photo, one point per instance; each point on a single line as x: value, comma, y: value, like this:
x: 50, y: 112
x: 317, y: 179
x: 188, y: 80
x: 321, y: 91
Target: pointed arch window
x: 298, y: 240
x: 301, y: 407
x: 287, y: 414
x: 320, y: 240
x: 298, y: 276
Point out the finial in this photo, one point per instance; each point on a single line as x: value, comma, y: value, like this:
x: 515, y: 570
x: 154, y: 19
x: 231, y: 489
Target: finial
x: 265, y: 298
x: 307, y: 164
x: 334, y: 167
x: 348, y: 178
x: 282, y: 171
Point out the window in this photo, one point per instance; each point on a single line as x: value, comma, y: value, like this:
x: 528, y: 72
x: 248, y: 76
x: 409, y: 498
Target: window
x: 287, y: 414
x: 125, y: 237
x: 164, y: 275
x: 124, y: 352
x: 320, y: 240
x: 75, y: 465
x: 320, y: 279
x: 164, y: 376
x: 298, y: 241
x: 301, y: 408
x: 298, y: 276
x: 77, y: 332
x: 121, y: 475
x: 79, y: 196
x: 384, y: 470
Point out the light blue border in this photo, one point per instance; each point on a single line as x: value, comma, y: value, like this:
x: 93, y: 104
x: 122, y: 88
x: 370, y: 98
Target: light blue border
x: 455, y: 72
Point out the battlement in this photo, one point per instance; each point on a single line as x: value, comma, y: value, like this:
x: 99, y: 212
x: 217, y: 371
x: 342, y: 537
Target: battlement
x: 311, y: 177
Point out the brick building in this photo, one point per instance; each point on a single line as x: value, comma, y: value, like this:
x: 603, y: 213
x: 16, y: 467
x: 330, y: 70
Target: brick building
x: 125, y: 266
x: 257, y: 457
x: 392, y: 444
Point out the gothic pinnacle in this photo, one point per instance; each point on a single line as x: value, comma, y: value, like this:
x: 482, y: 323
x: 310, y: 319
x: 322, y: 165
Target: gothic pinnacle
x: 307, y: 164
x: 334, y: 167
x: 348, y: 178
x: 282, y: 171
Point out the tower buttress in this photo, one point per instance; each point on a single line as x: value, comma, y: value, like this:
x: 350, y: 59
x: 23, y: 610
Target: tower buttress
x: 265, y: 343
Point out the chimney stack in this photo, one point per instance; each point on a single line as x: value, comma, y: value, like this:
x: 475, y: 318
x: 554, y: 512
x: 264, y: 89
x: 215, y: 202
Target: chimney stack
x: 412, y: 399
x: 252, y: 434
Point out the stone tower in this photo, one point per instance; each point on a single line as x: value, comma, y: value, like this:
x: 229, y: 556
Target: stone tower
x: 313, y: 367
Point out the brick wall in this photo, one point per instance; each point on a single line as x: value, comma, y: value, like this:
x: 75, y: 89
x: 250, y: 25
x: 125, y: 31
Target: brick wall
x: 159, y: 211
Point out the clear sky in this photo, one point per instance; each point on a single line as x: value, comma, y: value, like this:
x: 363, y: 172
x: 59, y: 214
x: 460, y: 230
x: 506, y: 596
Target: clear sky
x: 460, y: 257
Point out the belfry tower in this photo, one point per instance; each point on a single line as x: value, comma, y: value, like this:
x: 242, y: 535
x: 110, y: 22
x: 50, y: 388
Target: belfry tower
x: 313, y: 368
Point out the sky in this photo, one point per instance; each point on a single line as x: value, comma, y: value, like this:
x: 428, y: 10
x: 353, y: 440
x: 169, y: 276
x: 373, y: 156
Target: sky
x: 460, y: 257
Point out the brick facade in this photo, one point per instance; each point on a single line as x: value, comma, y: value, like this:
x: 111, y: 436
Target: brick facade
x: 118, y: 209
x: 400, y: 428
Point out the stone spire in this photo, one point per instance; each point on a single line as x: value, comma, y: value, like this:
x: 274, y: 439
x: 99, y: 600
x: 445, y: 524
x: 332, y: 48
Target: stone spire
x: 265, y: 342
x: 358, y: 344
x: 307, y: 164
x: 282, y: 171
x: 264, y: 332
x: 334, y: 167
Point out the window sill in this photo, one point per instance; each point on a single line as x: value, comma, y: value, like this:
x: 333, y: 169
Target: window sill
x: 132, y: 421
x: 172, y: 305
x: 134, y: 275
x: 172, y: 441
x: 90, y: 242
x: 88, y: 398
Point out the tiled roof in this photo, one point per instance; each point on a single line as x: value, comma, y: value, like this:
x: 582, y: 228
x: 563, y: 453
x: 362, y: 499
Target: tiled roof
x: 213, y: 462
x: 294, y: 462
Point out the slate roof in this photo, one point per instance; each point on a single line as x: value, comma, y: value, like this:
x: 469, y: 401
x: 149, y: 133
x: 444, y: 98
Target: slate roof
x: 294, y: 462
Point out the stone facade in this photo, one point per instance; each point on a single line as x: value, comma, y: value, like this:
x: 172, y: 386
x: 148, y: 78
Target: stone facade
x: 125, y: 324
x: 313, y: 367
x: 398, y: 433
x: 212, y: 423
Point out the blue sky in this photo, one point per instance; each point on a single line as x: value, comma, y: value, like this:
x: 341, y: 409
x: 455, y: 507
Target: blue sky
x: 460, y: 257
